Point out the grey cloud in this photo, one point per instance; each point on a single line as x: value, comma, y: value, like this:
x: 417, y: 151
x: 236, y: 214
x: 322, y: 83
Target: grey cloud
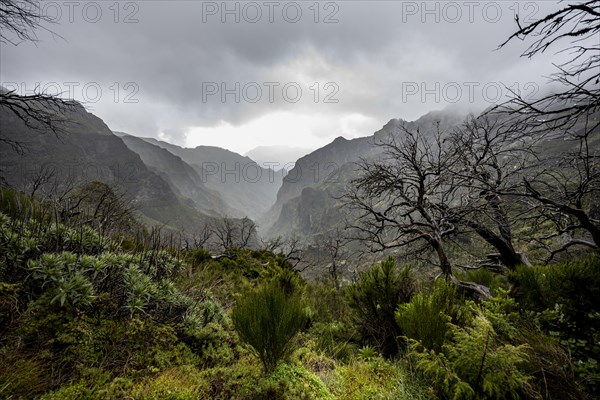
x: 373, y: 53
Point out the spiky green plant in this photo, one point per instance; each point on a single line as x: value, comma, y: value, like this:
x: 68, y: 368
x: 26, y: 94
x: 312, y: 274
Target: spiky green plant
x: 268, y: 319
x: 426, y: 318
x: 374, y: 299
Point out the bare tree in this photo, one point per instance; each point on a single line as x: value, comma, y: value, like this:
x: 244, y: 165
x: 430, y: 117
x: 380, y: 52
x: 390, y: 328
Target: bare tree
x: 293, y: 252
x: 577, y: 25
x: 202, y: 236
x: 41, y: 112
x: 564, y: 186
x: 43, y: 176
x: 19, y: 21
x: 99, y: 205
x: 404, y: 198
x: 334, y: 246
x: 247, y: 232
x: 566, y: 191
x: 490, y: 160
x: 290, y: 248
x: 225, y: 231
x: 231, y: 233
x: 273, y: 245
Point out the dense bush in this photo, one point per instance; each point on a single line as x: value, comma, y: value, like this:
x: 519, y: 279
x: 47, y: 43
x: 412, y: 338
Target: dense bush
x: 551, y: 367
x: 335, y: 339
x: 292, y: 382
x: 563, y: 300
x: 427, y: 316
x: 485, y: 277
x: 93, y: 310
x: 574, y: 284
x: 473, y: 364
x: 327, y: 303
x: 374, y: 299
x: 268, y: 319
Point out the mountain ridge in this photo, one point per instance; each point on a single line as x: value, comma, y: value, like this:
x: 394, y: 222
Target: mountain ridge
x: 85, y: 150
x: 328, y: 168
x: 243, y: 184
x: 183, y: 178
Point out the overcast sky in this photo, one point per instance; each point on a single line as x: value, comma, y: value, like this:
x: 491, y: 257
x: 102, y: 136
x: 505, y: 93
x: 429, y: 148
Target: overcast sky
x: 244, y: 74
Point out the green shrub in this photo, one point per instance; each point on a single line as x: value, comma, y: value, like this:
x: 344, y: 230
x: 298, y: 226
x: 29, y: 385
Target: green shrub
x: 199, y: 256
x: 367, y: 353
x: 485, y: 277
x: 550, y: 366
x: 212, y: 343
x: 136, y: 286
x: 563, y: 300
x: 99, y: 386
x: 289, y: 382
x: 80, y: 319
x: 16, y: 203
x: 427, y: 316
x: 501, y: 311
x: 240, y: 380
x: 182, y: 383
x: 9, y: 305
x: 328, y: 303
x: 474, y: 364
x: 374, y: 299
x: 377, y: 379
x: 71, y: 347
x: 334, y: 339
x: 575, y: 284
x: 22, y: 378
x: 268, y: 319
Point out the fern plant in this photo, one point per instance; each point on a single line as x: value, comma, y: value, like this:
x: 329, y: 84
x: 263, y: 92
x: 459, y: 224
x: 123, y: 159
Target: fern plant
x: 474, y: 364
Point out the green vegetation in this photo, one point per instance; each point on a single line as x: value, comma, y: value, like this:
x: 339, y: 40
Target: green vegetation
x: 85, y: 315
x: 426, y: 317
x: 562, y: 300
x: 474, y: 364
x: 374, y: 300
x: 268, y: 319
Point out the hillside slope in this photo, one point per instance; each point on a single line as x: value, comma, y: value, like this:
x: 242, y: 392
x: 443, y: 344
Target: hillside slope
x: 86, y: 150
x: 182, y: 178
x: 242, y: 183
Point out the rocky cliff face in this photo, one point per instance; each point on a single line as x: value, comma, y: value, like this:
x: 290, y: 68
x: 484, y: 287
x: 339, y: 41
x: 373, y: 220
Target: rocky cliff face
x: 306, y: 203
